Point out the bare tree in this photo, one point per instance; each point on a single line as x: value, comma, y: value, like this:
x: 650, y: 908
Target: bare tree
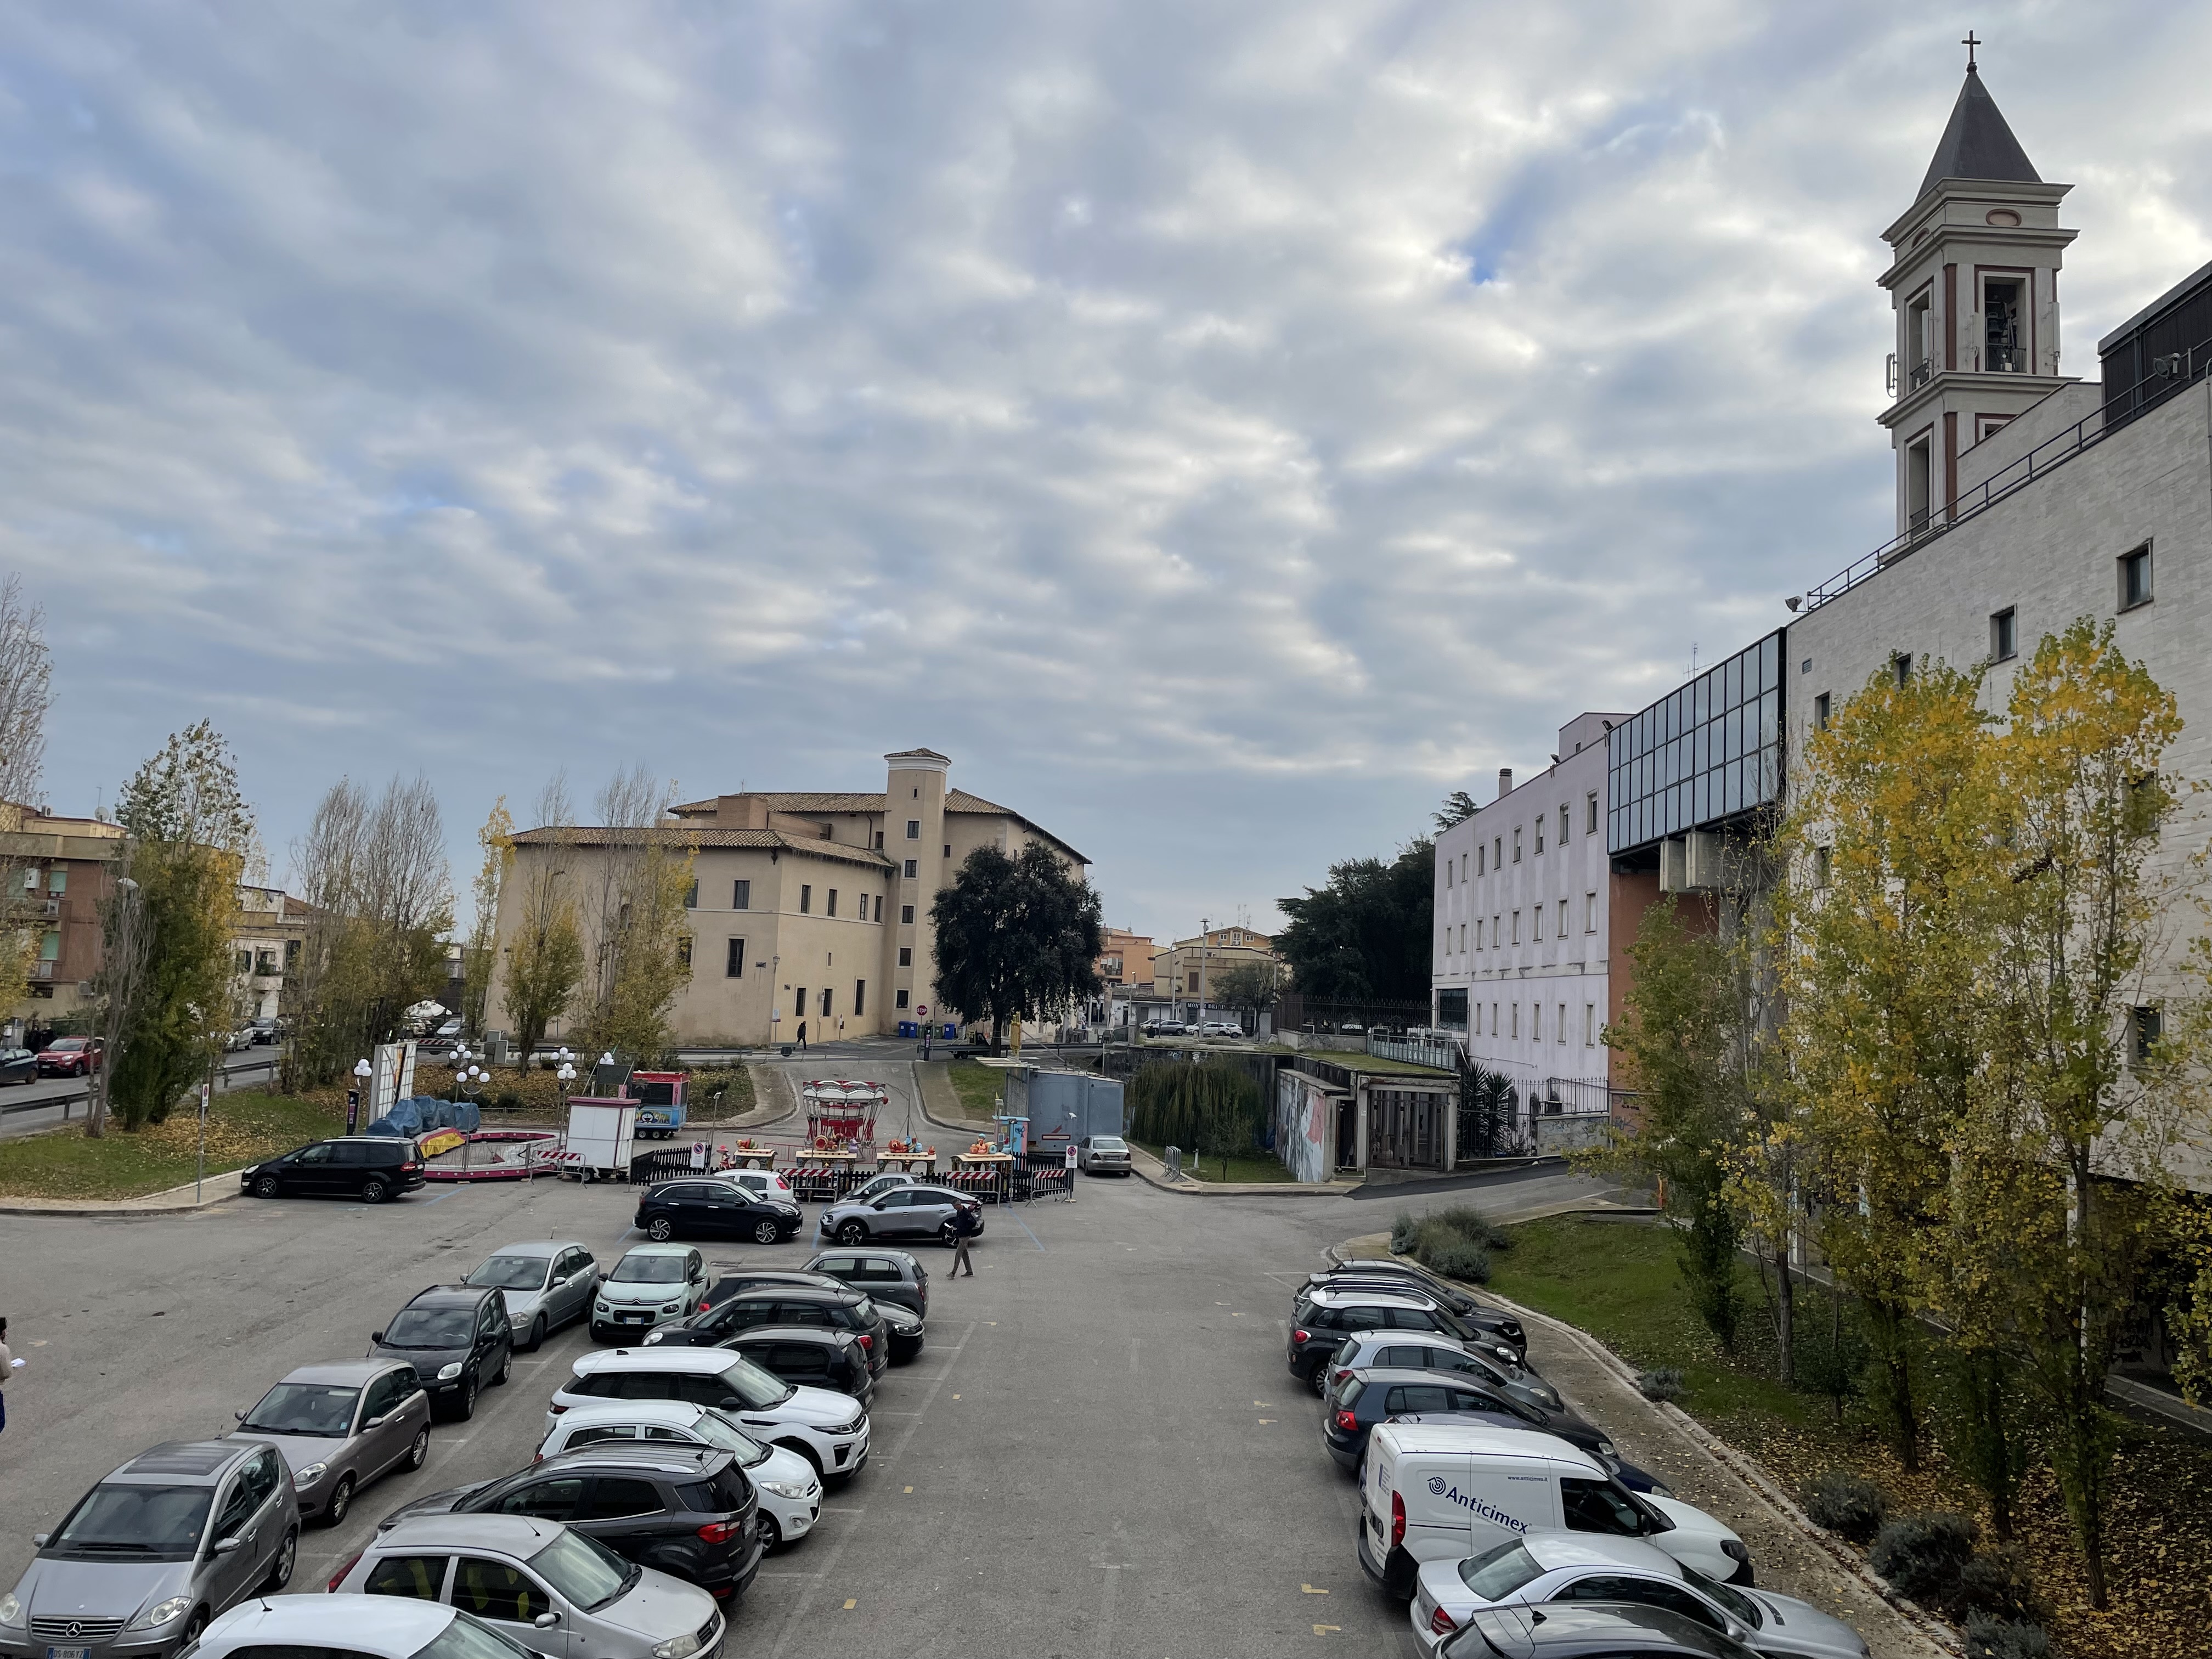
x: 544, y: 958
x: 26, y: 679
x: 126, y: 952
x: 635, y: 956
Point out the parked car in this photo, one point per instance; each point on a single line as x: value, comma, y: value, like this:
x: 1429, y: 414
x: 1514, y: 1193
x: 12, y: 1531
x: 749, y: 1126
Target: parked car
x: 651, y: 1284
x: 937, y: 1212
x: 790, y: 1490
x: 1370, y: 1396
x: 809, y: 1355
x: 905, y: 1330
x: 18, y: 1065
x: 685, y: 1511
x: 511, y: 1570
x: 1102, y: 1155
x: 1431, y: 1351
x: 884, y: 1276
x: 830, y: 1308
x: 237, y: 1040
x: 1495, y: 1322
x: 1548, y: 1568
x: 713, y: 1209
x: 1324, y: 1316
x: 762, y: 1183
x: 70, y: 1056
x: 389, y: 1626
x: 1598, y: 1630
x: 546, y: 1284
x: 458, y: 1339
x: 828, y: 1430
x: 340, y: 1426
x: 1221, y: 1027
x: 877, y: 1186
x: 165, y: 1543
x: 370, y: 1168
x: 1633, y: 1476
x: 267, y: 1031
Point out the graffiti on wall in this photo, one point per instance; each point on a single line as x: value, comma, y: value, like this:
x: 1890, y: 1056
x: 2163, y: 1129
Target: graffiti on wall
x: 1302, y: 1125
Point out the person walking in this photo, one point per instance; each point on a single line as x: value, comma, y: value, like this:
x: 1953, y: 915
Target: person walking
x: 8, y: 1363
x: 960, y: 1258
x: 802, y: 1037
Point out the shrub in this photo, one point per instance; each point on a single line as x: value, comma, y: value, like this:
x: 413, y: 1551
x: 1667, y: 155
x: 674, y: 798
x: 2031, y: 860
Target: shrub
x: 1473, y: 1225
x: 2005, y: 1638
x: 1663, y: 1384
x: 1998, y: 1584
x: 1453, y: 1257
x: 1831, y: 1359
x: 1923, y: 1556
x: 1402, y: 1229
x: 1848, y: 1503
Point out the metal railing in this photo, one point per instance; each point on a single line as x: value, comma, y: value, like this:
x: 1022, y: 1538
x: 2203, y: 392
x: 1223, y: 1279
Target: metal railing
x: 1441, y: 1053
x: 2175, y: 372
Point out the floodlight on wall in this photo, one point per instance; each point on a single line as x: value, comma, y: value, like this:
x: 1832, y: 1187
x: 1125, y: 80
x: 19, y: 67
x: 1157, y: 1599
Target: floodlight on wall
x: 1795, y: 600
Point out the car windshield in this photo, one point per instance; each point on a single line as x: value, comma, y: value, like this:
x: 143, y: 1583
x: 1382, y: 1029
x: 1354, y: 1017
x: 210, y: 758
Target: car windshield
x: 304, y: 1408
x: 67, y: 1046
x: 431, y: 1328
x: 468, y: 1637
x: 718, y: 1430
x: 1741, y: 1606
x: 758, y: 1388
x: 585, y: 1570
x: 513, y: 1273
x: 1108, y: 1144
x: 649, y: 1270
x: 118, y: 1520
x: 1498, y: 1571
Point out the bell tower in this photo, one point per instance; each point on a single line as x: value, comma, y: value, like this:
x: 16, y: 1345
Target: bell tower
x: 1973, y: 279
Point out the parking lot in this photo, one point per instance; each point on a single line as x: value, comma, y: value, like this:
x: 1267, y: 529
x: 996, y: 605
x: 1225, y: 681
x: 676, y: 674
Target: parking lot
x: 1097, y: 1453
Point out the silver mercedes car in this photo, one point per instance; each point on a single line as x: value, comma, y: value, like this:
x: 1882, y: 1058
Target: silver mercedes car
x: 145, y: 1558
x: 340, y: 1426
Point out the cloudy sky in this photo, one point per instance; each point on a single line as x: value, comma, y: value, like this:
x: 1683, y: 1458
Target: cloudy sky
x: 1223, y: 428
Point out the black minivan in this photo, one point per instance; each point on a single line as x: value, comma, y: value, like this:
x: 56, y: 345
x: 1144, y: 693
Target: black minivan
x: 371, y: 1168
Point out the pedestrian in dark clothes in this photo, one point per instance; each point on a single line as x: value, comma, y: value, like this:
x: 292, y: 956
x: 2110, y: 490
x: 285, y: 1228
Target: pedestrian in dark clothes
x: 960, y: 1258
x: 802, y: 1037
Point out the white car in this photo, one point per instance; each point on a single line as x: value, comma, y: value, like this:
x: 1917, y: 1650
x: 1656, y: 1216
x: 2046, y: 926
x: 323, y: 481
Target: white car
x: 1221, y: 1027
x: 542, y: 1585
x: 829, y: 1430
x: 761, y: 1183
x: 877, y: 1186
x: 790, y: 1490
x: 373, y: 1626
x: 1572, y: 1566
x: 650, y: 1285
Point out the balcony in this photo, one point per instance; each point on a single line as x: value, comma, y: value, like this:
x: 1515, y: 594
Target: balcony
x: 42, y: 970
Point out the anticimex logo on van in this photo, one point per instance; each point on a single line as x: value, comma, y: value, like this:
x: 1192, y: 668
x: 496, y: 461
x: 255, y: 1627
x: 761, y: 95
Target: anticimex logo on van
x: 1440, y: 1487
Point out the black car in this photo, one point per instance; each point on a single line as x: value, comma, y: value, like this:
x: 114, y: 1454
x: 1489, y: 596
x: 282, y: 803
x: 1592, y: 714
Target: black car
x: 713, y: 1209
x: 885, y: 1275
x: 723, y: 1314
x: 1374, y: 1396
x: 371, y: 1168
x: 905, y: 1329
x: 813, y: 1356
x: 18, y: 1065
x: 1588, y: 1630
x: 1324, y: 1316
x: 1471, y: 1311
x: 683, y: 1510
x: 458, y: 1339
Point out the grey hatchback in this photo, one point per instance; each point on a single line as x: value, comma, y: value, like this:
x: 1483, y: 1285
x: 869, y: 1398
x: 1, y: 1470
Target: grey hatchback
x: 881, y: 1275
x: 145, y: 1558
x: 340, y: 1426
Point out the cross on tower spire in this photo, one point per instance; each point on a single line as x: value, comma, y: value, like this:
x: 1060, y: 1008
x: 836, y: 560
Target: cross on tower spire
x: 1970, y: 43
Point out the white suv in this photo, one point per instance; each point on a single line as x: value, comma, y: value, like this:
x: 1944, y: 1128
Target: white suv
x: 789, y: 1487
x: 829, y: 1430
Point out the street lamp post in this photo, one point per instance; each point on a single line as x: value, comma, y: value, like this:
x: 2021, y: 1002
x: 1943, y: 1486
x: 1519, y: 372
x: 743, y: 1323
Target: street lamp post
x: 362, y: 1071
x: 1203, y: 925
x: 468, y: 1080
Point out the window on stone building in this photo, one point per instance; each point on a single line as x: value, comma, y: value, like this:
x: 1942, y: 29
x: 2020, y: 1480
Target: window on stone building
x: 1900, y: 667
x: 1820, y: 711
x: 906, y: 916
x: 1562, y: 918
x: 1565, y: 826
x: 906, y: 955
x: 1539, y: 837
x: 913, y: 829
x: 1516, y: 927
x: 684, y: 949
x: 1589, y: 825
x: 913, y: 868
x: 1516, y: 843
x: 741, y: 896
x: 805, y: 899
x: 1590, y: 913
x: 2134, y: 578
x: 2004, y: 636
x: 898, y: 998
x: 692, y: 896
x: 860, y: 997
x: 735, y: 967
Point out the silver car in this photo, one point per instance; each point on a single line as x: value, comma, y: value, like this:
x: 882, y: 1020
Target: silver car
x: 918, y: 1212
x: 340, y: 1426
x: 1102, y: 1155
x: 556, y: 1591
x: 547, y: 1284
x: 146, y: 1558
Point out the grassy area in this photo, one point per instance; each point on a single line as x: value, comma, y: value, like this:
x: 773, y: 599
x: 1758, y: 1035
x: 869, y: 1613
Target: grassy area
x: 979, y: 1087
x: 242, y: 1128
x: 1372, y: 1063
x: 1619, y: 1282
x: 1242, y: 1171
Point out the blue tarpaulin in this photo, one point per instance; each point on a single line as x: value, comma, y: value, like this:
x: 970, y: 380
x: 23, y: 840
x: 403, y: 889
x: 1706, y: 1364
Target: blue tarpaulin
x: 420, y: 1114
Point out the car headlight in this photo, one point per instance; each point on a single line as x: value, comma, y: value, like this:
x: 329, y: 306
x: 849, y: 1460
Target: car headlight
x: 600, y: 1306
x: 11, y: 1610
x: 853, y: 1427
x: 1605, y: 1449
x: 308, y: 1476
x: 681, y: 1647
x: 652, y: 1337
x: 785, y: 1489
x: 1734, y: 1549
x: 447, y: 1373
x: 672, y: 1307
x: 161, y: 1613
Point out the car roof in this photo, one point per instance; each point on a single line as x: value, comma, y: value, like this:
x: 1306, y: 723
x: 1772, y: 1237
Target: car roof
x: 186, y: 1463
x: 1461, y: 1439
x: 906, y: 1258
x: 702, y: 1362
x: 844, y: 1294
x: 672, y: 1414
x: 541, y: 1247
x: 660, y: 1249
x: 394, y: 1625
x: 353, y: 1372
x: 1602, y: 1626
x: 668, y: 1456
x: 1595, y: 1549
x: 1441, y: 1339
x: 786, y: 1333
x: 1347, y: 1295
x: 433, y: 1296
x: 1418, y: 1374
x: 520, y: 1535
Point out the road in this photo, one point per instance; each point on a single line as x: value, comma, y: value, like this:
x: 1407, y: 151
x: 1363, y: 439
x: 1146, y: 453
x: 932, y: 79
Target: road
x: 27, y: 1108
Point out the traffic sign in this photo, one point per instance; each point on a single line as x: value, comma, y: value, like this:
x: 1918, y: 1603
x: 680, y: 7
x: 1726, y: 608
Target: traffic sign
x: 922, y: 1009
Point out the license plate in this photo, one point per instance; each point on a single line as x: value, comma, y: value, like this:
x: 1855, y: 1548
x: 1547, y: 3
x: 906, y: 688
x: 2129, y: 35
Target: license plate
x: 69, y: 1653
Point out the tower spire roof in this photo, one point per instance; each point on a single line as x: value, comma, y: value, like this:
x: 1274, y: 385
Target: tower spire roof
x: 1977, y: 144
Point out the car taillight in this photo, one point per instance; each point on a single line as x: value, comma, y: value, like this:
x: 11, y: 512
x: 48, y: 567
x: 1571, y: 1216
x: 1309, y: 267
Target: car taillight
x: 720, y: 1531
x: 1397, y: 1520
x: 409, y: 1168
x: 867, y: 1341
x: 1441, y: 1622
x: 1348, y: 1420
x: 338, y: 1577
x: 558, y: 1409
x: 1301, y: 1336
x: 1342, y: 1372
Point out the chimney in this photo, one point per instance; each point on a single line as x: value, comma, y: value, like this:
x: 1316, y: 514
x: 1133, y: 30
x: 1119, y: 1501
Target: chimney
x: 1505, y: 781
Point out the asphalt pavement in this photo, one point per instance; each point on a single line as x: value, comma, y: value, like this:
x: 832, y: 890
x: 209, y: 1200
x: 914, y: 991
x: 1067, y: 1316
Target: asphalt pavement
x: 1098, y: 1452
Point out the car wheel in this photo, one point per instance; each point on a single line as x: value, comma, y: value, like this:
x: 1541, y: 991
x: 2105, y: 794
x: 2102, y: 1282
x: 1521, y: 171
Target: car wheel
x: 506, y: 1368
x: 266, y: 1187
x: 767, y: 1232
x: 771, y: 1535
x: 280, y: 1571
x: 852, y: 1232
x: 948, y: 1234
x: 341, y: 1501
x: 1314, y: 1381
x: 420, y: 1449
x: 198, y: 1623
x: 373, y: 1190
x: 467, y: 1408
x: 537, y: 1333
x: 660, y: 1230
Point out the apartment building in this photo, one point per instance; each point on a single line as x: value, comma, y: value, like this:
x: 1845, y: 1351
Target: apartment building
x: 63, y: 869
x: 1125, y: 961
x: 1189, y: 970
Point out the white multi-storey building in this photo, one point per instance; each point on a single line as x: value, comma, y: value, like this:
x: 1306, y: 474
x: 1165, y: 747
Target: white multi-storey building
x: 1524, y: 935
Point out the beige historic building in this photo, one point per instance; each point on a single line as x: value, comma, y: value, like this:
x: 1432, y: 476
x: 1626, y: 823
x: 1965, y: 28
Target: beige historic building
x: 1189, y: 967
x: 1125, y: 960
x: 808, y: 907
x: 63, y: 869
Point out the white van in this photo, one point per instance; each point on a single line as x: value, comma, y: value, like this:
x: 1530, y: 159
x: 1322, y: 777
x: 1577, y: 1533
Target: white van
x: 1439, y: 1492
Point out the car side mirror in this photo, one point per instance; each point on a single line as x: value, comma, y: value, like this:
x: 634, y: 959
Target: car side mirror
x: 228, y: 1546
x: 239, y: 1415
x: 376, y: 1336
x: 558, y: 1283
x: 375, y: 1422
x: 546, y: 1620
x: 40, y: 1539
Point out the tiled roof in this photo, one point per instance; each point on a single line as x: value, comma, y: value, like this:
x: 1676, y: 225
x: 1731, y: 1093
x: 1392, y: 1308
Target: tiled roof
x: 958, y: 800
x: 707, y: 839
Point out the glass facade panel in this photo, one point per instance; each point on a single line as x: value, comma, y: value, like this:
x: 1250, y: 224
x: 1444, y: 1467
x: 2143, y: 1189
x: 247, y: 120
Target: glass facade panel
x: 1704, y: 751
